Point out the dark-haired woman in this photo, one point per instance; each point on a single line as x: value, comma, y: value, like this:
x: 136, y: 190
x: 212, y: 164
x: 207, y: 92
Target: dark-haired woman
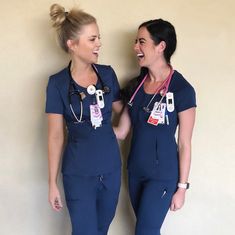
x: 159, y: 101
x: 83, y: 95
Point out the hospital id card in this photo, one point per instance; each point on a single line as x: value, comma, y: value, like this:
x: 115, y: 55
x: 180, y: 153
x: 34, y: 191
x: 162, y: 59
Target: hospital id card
x: 157, y: 115
x: 95, y: 115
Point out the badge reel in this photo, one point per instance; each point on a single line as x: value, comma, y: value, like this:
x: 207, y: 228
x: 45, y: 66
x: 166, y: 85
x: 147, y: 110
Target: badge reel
x: 91, y: 90
x: 99, y: 98
x: 95, y: 112
x: 170, y: 105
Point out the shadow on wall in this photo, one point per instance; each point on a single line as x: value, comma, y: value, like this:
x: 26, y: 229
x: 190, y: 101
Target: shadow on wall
x: 127, y: 213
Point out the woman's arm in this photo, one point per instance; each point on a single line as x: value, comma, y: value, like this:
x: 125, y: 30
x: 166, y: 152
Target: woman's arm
x: 186, y: 124
x: 124, y: 125
x: 55, y: 145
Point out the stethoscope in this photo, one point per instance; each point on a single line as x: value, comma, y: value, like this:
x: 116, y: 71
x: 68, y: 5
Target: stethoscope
x: 163, y: 89
x: 91, y: 90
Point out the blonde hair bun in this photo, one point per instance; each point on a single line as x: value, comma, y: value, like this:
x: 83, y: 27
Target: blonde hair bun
x: 68, y: 24
x: 57, y: 14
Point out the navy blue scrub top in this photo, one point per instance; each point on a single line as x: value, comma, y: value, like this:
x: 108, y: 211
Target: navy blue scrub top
x: 154, y: 151
x: 88, y: 151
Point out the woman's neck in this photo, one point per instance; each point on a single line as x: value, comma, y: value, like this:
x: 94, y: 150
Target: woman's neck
x: 158, y: 73
x: 80, y: 69
x: 83, y: 73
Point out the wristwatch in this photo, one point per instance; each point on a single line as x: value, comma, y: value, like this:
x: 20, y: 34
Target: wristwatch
x: 183, y: 185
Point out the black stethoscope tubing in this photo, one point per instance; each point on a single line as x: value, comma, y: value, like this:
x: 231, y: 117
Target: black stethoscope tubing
x: 74, y: 91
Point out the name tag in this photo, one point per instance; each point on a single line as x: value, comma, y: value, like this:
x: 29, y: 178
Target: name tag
x: 95, y: 115
x: 157, y: 115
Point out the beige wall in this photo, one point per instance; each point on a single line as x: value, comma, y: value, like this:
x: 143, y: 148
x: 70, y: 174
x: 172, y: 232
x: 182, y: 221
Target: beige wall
x: 205, y: 55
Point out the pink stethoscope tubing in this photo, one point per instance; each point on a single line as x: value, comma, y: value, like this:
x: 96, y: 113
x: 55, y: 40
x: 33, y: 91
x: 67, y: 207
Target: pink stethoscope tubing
x: 164, y: 87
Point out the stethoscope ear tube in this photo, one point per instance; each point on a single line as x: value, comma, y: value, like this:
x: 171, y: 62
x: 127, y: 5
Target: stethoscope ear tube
x: 75, y: 116
x: 71, y: 107
x: 137, y: 89
x: 130, y: 104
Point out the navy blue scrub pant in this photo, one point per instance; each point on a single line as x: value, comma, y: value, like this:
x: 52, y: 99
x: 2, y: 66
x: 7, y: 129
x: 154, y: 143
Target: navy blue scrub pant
x: 150, y: 200
x: 92, y: 201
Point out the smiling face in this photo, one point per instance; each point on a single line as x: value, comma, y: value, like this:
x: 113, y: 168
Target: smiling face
x: 86, y: 47
x: 147, y: 51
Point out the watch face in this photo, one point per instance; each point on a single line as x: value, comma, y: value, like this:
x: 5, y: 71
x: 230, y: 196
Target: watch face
x: 183, y: 185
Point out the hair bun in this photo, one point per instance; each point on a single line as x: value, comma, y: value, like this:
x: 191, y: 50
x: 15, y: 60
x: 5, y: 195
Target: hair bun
x: 68, y: 25
x: 57, y: 14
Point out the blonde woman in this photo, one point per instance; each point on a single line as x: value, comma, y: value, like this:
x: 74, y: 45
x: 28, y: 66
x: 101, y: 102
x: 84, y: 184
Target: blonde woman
x: 83, y: 96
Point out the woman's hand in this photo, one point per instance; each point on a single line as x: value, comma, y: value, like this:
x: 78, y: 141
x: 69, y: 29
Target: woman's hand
x: 124, y: 125
x: 54, y: 198
x: 177, y: 201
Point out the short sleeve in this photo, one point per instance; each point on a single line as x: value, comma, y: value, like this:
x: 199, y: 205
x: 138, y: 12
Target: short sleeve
x: 116, y: 87
x: 185, y: 99
x: 54, y: 103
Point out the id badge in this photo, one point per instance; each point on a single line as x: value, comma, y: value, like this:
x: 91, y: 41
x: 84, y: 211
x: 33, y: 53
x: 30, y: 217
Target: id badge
x: 157, y: 115
x: 95, y: 115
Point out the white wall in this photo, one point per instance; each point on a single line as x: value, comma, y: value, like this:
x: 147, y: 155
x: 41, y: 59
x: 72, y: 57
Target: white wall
x: 205, y: 55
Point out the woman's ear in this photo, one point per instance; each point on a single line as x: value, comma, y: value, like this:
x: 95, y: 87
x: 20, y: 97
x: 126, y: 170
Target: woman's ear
x: 71, y: 44
x: 162, y: 46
